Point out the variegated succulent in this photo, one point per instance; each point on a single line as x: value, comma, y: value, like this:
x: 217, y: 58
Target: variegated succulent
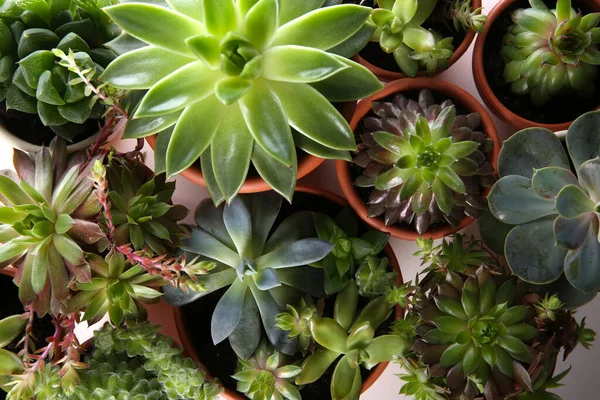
x: 426, y: 164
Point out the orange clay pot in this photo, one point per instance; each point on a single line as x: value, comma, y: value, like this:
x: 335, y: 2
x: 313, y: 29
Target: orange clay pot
x: 231, y: 394
x: 483, y: 86
x: 458, y: 97
x: 386, y: 76
x: 256, y: 184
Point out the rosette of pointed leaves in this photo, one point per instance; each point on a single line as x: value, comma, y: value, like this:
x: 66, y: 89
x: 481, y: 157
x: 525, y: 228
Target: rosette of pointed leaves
x: 263, y: 272
x: 478, y: 327
x: 232, y: 76
x: 141, y: 210
x: 418, y: 380
x: 354, y: 340
x: 47, y: 216
x: 463, y: 16
x: 349, y: 250
x: 267, y: 376
x: 33, y: 82
x: 374, y: 278
x: 553, y: 208
x: 296, y: 320
x: 551, y: 51
x: 425, y: 163
x: 117, y: 288
x: 399, y: 32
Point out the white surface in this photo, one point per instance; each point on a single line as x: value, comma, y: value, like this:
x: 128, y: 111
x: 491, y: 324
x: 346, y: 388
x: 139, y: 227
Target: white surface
x: 580, y: 383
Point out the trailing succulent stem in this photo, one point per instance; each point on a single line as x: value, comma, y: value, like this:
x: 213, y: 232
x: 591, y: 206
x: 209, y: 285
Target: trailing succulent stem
x: 425, y: 163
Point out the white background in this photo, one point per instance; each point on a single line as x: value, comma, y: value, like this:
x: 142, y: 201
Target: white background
x: 580, y: 383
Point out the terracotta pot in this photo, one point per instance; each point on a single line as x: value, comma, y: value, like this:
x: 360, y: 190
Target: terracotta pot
x: 459, y: 97
x: 386, y: 76
x: 256, y: 184
x: 483, y: 86
x: 231, y: 394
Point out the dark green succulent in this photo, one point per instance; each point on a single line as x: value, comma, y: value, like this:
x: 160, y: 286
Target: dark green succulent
x: 34, y: 80
x: 267, y: 376
x: 425, y: 164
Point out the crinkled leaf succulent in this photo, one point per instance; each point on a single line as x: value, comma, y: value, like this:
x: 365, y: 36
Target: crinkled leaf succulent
x: 349, y: 250
x: 353, y: 338
x: 374, y: 278
x: 296, y: 320
x: 263, y: 271
x: 32, y: 81
x: 548, y: 52
x: 267, y: 376
x: 232, y: 76
x: 47, y: 217
x: 141, y: 213
x: 117, y: 288
x: 554, y: 208
x: 426, y: 164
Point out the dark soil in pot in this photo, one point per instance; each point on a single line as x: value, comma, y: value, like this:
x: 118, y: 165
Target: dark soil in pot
x: 563, y: 107
x: 376, y: 56
x: 220, y: 360
x: 30, y: 128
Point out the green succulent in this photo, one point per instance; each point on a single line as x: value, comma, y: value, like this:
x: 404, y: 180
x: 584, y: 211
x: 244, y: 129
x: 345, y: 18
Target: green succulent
x: 142, y: 214
x: 425, y: 163
x: 454, y: 255
x: 418, y: 380
x: 10, y: 329
x: 231, y: 71
x: 296, y: 320
x: 31, y: 79
x: 374, y: 278
x: 463, y: 16
x: 263, y: 272
x: 267, y: 376
x: 47, y: 216
x: 547, y: 307
x: 553, y: 208
x: 349, y: 250
x: 117, y: 288
x: 353, y: 338
x: 548, y: 52
x: 586, y: 336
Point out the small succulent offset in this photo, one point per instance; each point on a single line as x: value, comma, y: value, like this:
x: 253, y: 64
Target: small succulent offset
x: 229, y: 81
x: 426, y: 164
x: 117, y: 288
x: 47, y: 217
x: 349, y: 250
x: 419, y: 383
x: 553, y: 208
x: 264, y: 272
x: 374, y: 278
x: 548, y: 52
x: 266, y: 376
x: 35, y: 80
x: 353, y: 338
x: 296, y: 320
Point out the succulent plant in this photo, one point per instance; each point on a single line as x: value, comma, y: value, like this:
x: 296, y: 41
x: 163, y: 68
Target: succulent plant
x: 10, y: 329
x: 349, y: 250
x: 117, y: 288
x: 47, y: 217
x: 267, y: 376
x: 552, y: 207
x: 454, y: 255
x: 142, y: 214
x: 418, y: 380
x: 32, y: 81
x: 463, y: 16
x: 296, y: 320
x: 353, y: 338
x: 426, y: 164
x: 548, y: 52
x: 263, y: 272
x: 374, y: 278
x: 230, y: 71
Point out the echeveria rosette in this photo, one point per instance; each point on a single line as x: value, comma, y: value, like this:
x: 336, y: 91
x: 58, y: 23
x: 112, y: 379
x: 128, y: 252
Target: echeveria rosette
x: 548, y: 52
x: 400, y: 33
x: 48, y: 215
x: 351, y: 337
x: 239, y: 82
x: 425, y: 163
x: 267, y: 376
x: 296, y: 320
x: 554, y: 209
x: 263, y: 272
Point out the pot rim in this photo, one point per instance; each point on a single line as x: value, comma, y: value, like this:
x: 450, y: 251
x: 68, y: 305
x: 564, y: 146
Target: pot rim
x: 387, y: 76
x: 458, y: 96
x: 257, y: 184
x: 229, y: 394
x: 484, y: 88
